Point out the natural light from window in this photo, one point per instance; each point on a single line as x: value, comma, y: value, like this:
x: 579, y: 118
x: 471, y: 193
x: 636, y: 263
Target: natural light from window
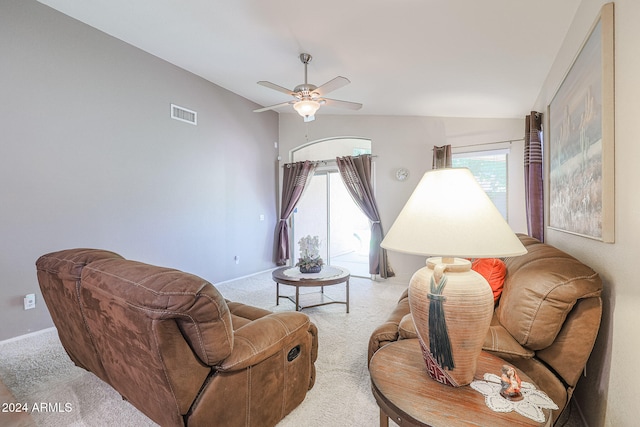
x: 490, y: 170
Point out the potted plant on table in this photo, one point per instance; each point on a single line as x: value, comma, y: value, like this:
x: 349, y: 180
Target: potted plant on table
x: 310, y: 261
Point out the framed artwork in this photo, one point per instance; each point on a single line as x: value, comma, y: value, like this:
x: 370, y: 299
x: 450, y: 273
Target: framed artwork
x: 581, y: 139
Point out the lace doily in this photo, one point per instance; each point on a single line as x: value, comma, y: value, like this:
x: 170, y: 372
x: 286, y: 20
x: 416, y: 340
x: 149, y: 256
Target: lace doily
x: 530, y: 406
x: 327, y: 272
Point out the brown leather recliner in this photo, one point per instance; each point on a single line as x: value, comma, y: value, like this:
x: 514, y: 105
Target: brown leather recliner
x: 545, y: 323
x: 171, y: 345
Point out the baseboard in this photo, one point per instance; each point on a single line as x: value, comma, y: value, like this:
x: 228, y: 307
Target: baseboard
x: 244, y: 277
x: 397, y: 280
x: 30, y: 334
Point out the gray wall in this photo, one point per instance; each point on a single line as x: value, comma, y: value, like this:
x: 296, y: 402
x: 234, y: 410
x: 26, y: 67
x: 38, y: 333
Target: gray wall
x: 401, y: 141
x: 89, y: 157
x: 607, y: 393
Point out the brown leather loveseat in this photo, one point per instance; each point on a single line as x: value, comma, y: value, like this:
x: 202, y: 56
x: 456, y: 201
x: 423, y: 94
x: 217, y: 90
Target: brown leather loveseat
x: 545, y: 323
x: 171, y: 345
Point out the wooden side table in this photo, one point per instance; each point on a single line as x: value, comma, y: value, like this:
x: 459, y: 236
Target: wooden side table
x: 329, y: 275
x: 406, y: 394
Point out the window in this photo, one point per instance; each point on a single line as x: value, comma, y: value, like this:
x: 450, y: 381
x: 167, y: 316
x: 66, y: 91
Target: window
x: 490, y: 170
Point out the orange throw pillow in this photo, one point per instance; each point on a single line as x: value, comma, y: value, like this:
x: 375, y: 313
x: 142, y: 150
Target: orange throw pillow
x: 494, y: 270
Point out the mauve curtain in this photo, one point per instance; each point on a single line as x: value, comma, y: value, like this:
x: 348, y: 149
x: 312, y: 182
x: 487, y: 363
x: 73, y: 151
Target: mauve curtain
x: 534, y: 196
x: 356, y: 174
x: 295, y: 178
x: 441, y: 157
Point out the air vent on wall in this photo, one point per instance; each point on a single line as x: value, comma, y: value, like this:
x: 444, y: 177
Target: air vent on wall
x: 184, y: 115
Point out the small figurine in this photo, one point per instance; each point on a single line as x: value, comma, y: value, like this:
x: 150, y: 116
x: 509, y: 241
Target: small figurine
x: 510, y: 383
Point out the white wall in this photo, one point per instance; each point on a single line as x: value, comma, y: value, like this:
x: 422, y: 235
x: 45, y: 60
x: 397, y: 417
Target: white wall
x: 407, y: 142
x: 89, y: 157
x: 608, y: 394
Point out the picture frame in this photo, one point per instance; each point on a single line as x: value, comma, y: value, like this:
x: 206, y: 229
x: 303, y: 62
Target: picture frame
x: 581, y: 139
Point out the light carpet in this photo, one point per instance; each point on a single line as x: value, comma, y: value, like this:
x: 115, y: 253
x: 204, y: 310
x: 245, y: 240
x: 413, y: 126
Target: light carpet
x: 37, y: 369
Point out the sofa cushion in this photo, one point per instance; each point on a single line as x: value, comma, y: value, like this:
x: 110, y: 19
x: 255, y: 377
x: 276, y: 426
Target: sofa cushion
x: 541, y: 288
x: 494, y: 271
x: 500, y: 341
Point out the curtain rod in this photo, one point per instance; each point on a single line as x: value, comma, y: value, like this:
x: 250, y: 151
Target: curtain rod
x: 326, y: 161
x: 487, y: 143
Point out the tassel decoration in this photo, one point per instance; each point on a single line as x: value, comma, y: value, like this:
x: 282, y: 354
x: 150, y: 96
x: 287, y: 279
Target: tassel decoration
x: 439, y: 344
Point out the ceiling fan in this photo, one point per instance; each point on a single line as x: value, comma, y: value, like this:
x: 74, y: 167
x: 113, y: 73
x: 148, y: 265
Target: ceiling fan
x: 307, y: 97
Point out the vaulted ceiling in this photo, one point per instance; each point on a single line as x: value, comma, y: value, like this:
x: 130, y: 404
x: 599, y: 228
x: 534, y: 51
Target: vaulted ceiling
x: 454, y: 58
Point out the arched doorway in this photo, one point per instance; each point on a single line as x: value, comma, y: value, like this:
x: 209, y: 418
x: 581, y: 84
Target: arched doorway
x: 327, y: 210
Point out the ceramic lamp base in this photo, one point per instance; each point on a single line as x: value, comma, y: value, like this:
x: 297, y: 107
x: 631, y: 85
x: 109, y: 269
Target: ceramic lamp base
x: 465, y: 313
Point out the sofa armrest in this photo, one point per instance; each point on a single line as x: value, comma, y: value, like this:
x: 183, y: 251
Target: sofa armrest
x: 264, y: 337
x: 389, y: 330
x: 245, y: 311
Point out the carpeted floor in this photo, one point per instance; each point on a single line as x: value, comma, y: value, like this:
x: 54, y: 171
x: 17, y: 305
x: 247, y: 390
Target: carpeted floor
x: 36, y: 369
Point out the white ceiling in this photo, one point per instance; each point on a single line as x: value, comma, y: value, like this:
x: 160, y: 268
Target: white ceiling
x: 454, y: 58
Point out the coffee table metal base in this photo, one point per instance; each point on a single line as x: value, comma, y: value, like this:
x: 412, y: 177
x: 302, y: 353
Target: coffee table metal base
x: 306, y: 300
x: 300, y: 299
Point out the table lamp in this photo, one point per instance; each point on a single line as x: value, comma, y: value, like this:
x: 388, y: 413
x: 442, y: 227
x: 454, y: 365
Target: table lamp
x: 449, y: 215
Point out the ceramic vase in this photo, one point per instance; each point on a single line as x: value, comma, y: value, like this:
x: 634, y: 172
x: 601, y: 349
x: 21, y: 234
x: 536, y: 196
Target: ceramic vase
x: 467, y: 306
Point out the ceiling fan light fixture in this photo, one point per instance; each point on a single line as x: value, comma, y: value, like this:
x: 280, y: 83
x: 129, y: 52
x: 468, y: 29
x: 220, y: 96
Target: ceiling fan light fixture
x: 309, y: 98
x: 306, y: 107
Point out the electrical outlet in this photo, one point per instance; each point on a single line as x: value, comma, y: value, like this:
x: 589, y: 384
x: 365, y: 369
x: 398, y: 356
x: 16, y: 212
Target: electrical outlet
x: 30, y: 301
x: 237, y: 259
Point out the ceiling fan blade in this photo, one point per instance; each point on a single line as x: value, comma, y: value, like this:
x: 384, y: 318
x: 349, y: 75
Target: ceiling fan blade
x: 332, y: 85
x: 342, y: 104
x: 272, y: 107
x: 276, y: 87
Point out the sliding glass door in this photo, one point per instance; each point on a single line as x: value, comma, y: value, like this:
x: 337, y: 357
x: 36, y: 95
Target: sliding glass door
x: 327, y: 210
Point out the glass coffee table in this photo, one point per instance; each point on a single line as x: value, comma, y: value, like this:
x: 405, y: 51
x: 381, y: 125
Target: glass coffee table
x: 329, y: 275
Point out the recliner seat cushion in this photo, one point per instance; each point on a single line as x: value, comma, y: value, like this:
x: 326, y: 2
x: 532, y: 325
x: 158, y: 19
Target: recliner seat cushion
x: 500, y: 342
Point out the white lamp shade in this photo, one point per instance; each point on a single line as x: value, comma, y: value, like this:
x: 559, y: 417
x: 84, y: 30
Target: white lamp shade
x: 306, y: 107
x: 450, y: 215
